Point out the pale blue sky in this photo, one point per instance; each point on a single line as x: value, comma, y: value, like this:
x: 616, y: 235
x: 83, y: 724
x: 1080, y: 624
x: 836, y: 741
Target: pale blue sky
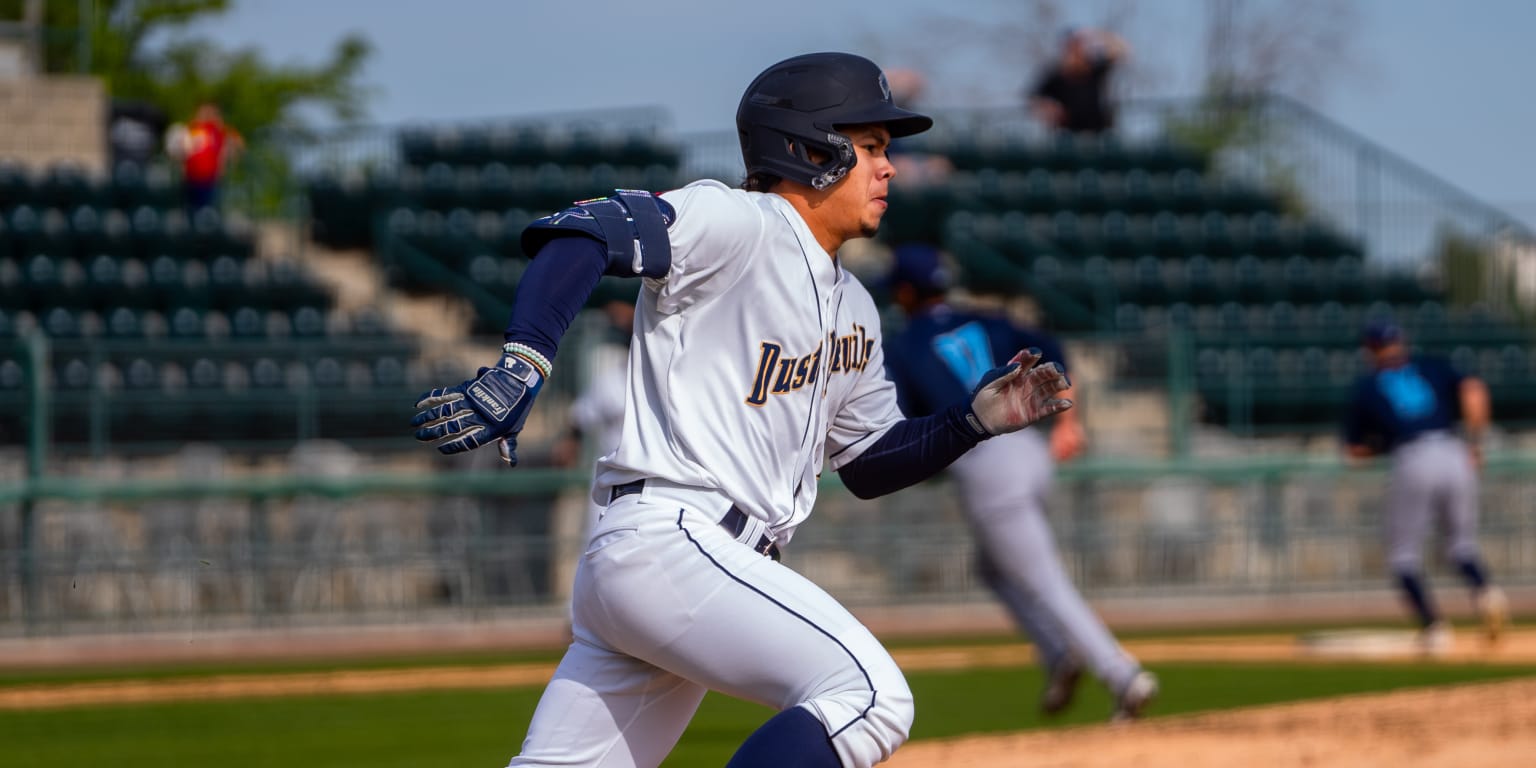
x: 1441, y: 82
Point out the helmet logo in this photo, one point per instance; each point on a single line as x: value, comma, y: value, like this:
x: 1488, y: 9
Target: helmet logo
x: 885, y: 88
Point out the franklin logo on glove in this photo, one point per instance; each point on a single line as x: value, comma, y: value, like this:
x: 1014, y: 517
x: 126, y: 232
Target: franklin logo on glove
x: 498, y: 408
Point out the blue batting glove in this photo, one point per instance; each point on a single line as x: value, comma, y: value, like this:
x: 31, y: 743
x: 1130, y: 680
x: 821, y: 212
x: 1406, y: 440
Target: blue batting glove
x: 490, y: 407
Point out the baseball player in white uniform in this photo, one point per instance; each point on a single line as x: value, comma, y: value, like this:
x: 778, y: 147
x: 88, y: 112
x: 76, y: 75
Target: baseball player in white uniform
x: 756, y: 361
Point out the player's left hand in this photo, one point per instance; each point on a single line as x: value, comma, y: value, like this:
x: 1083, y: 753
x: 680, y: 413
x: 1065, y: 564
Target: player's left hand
x: 490, y: 407
x: 1013, y: 396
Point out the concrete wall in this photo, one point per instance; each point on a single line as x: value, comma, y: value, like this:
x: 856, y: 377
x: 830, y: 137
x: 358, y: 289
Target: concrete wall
x: 51, y: 120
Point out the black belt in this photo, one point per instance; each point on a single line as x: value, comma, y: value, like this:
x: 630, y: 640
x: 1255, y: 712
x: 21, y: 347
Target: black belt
x: 735, y: 520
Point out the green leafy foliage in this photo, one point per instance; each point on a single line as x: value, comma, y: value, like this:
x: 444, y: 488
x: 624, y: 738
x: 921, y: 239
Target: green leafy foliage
x: 143, y: 51
x: 147, y: 51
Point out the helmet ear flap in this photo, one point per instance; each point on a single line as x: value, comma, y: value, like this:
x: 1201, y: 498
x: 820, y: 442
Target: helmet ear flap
x: 817, y: 164
x: 842, y: 161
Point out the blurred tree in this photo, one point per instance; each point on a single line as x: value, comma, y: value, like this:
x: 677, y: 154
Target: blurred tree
x: 143, y: 51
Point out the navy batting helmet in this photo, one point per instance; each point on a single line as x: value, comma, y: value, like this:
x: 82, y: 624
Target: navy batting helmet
x: 1381, y: 333
x: 797, y: 105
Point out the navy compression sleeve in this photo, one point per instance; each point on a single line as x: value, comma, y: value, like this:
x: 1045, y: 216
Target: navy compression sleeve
x: 912, y: 451
x: 554, y: 288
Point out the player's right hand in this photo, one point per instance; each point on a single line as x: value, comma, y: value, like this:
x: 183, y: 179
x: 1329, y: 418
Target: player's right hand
x: 1013, y: 396
x: 490, y: 407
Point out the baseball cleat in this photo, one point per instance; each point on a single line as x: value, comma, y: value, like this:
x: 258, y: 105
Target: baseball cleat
x: 1436, y: 639
x: 1493, y: 607
x: 1060, y: 688
x: 1135, y: 697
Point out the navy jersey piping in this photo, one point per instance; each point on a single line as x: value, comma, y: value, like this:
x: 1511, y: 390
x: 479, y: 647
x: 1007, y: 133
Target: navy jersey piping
x: 870, y: 683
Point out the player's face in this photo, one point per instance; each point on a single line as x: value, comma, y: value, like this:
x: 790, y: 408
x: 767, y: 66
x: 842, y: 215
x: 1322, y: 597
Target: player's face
x: 854, y: 206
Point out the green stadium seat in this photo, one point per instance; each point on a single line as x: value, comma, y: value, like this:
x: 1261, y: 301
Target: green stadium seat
x: 140, y: 375
x: 16, y: 187
x: 1139, y: 193
x: 1117, y: 237
x: 1259, y: 364
x: 1068, y: 233
x: 1299, y: 279
x: 15, y: 289
x: 460, y: 236
x: 440, y: 186
x: 205, y: 374
x: 308, y: 322
x: 1181, y: 315
x: 327, y: 372
x: 265, y: 373
x: 517, y: 144
x: 42, y: 281
x: 123, y: 323
x: 1475, y: 319
x: 1333, y: 320
x: 388, y: 372
x: 185, y: 323
x: 417, y: 146
x: 130, y: 187
x: 513, y: 222
x: 86, y: 230
x: 1346, y: 278
x: 227, y: 282
x: 247, y: 323
x: 1147, y: 281
x: 1129, y: 319
x: 1167, y: 238
x: 24, y: 229
x: 475, y: 148
x: 1186, y: 192
x: 1429, y: 316
x: 497, y: 188
x: 62, y: 323
x: 66, y: 185
x: 1232, y: 319
x: 1514, y: 364
x: 73, y: 373
x: 1284, y: 319
x: 484, y: 269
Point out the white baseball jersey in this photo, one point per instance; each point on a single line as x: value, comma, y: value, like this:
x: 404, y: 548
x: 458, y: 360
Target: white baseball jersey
x: 774, y: 370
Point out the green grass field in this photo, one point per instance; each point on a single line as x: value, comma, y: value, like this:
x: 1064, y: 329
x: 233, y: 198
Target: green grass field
x: 484, y: 727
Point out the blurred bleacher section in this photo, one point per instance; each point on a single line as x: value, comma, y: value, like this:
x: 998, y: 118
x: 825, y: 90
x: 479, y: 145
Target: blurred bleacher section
x: 209, y: 412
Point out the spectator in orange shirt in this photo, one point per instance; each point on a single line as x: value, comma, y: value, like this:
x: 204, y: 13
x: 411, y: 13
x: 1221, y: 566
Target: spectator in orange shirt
x: 205, y: 146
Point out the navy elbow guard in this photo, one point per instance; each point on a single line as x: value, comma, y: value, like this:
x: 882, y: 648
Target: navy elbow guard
x: 632, y: 223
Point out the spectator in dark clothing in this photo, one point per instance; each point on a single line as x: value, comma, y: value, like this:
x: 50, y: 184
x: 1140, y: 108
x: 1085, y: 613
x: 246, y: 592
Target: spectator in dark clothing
x: 1072, y: 94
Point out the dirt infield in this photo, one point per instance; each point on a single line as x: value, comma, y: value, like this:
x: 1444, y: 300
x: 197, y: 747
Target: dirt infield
x: 1479, y: 726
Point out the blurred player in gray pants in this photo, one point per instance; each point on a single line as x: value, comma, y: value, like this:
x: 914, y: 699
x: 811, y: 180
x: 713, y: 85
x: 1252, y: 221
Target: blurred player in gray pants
x: 1004, y: 483
x: 1407, y: 408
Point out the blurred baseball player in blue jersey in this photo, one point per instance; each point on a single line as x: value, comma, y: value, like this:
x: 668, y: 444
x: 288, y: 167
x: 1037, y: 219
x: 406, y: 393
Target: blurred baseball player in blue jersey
x: 1407, y: 408
x: 1004, y: 484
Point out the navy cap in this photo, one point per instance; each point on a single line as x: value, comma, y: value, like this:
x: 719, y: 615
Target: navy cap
x: 1381, y: 333
x: 920, y: 266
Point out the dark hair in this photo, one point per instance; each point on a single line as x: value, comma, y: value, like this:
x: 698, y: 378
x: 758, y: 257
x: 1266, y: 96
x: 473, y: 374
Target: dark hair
x: 760, y: 182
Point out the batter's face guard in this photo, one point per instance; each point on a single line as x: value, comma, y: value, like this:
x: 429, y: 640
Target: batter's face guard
x: 796, y: 106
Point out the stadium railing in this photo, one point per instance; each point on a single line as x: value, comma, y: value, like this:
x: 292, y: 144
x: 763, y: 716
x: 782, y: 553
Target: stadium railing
x: 307, y: 547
